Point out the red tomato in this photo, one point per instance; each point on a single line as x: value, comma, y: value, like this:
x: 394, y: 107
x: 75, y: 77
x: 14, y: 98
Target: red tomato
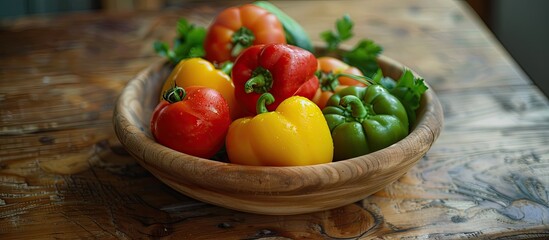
x: 196, y: 125
x: 237, y: 28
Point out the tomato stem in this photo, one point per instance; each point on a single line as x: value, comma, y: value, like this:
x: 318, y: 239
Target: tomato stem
x: 241, y: 39
x: 328, y: 81
x: 358, y: 111
x: 175, y: 94
x: 262, y: 102
x: 260, y: 82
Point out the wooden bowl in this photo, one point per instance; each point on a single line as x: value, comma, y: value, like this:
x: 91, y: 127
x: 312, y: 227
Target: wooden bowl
x: 269, y: 190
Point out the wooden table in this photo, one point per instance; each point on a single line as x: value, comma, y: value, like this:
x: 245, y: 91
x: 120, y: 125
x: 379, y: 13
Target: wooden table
x: 63, y: 173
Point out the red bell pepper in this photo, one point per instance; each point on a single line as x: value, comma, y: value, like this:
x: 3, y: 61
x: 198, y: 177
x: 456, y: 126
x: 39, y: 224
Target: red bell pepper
x: 236, y: 28
x: 280, y: 69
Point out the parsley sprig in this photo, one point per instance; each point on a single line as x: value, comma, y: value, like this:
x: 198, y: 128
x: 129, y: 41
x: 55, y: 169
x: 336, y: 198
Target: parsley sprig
x: 344, y: 31
x: 187, y: 44
x: 363, y: 55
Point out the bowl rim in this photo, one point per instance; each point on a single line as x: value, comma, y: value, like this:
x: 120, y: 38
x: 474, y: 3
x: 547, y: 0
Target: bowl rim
x: 176, y: 166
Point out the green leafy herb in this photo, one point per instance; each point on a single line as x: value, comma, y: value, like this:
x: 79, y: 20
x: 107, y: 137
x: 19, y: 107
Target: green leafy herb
x: 363, y: 56
x: 344, y: 31
x: 187, y: 44
x: 386, y: 82
x: 408, y: 89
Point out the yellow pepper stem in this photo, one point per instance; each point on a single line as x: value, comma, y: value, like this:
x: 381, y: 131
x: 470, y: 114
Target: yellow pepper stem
x: 227, y: 67
x: 262, y: 102
x: 358, y: 111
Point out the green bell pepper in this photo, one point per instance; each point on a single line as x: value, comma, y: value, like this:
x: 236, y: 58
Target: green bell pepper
x: 364, y: 120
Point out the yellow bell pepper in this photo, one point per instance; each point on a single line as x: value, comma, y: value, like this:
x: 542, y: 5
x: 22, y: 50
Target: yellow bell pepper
x: 200, y: 72
x: 295, y: 134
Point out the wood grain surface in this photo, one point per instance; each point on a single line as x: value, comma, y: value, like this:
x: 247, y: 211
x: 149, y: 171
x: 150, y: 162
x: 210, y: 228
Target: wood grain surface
x: 64, y: 175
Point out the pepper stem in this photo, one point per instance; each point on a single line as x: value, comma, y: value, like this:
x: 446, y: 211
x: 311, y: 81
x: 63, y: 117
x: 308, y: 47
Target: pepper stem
x: 358, y: 110
x: 227, y: 67
x: 262, y: 102
x: 260, y: 82
x: 175, y: 94
x: 241, y: 39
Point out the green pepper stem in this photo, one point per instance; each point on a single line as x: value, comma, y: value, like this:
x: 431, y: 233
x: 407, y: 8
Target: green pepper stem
x: 260, y: 82
x: 262, y: 102
x: 241, y: 39
x: 357, y: 108
x: 175, y: 94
